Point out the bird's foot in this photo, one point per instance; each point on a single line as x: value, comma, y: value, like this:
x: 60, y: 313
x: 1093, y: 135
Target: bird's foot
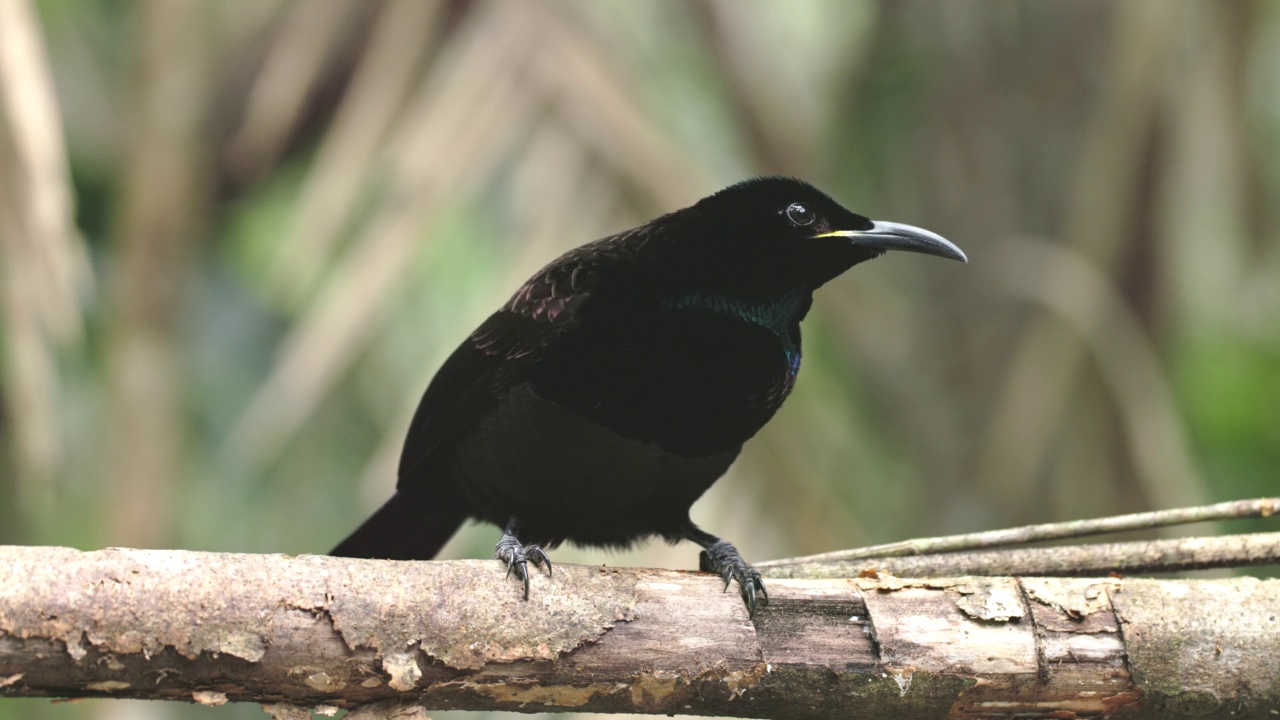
x: 723, y: 559
x: 518, y: 556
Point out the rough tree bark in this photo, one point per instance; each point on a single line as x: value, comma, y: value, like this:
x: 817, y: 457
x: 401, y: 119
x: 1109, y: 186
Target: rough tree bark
x: 311, y: 631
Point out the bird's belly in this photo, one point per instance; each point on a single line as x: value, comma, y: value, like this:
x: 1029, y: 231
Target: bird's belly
x: 569, y: 478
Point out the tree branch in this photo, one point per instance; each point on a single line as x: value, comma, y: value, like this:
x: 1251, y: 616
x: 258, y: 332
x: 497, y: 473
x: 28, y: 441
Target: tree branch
x: 311, y: 631
x: 1233, y: 510
x: 1129, y: 558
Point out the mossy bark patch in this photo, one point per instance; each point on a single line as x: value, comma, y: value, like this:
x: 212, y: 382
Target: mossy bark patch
x: 101, y: 599
x: 1203, y: 649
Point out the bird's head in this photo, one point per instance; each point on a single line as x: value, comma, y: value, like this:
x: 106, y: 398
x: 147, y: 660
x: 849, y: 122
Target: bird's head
x: 795, y: 234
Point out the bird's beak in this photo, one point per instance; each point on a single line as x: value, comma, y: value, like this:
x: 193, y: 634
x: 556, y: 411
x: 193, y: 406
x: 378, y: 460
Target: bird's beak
x: 896, y: 236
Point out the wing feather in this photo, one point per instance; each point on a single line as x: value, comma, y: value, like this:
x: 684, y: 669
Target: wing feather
x: 499, y: 352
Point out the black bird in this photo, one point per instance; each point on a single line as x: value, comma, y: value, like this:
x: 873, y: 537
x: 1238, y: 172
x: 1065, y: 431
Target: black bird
x: 622, y: 379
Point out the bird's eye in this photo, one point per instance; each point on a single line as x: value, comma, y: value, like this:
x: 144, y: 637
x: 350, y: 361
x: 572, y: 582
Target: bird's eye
x: 800, y: 214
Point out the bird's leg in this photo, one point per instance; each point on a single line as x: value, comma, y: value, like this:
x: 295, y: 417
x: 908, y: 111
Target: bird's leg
x: 722, y: 558
x: 517, y: 556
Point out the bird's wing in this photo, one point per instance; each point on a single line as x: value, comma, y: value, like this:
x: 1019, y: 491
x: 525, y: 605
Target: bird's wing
x: 494, y: 356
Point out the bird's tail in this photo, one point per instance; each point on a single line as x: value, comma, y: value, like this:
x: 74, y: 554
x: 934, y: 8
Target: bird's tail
x: 406, y: 527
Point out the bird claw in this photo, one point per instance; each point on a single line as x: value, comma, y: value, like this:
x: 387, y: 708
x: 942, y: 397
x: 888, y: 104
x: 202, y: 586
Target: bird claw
x: 517, y: 557
x: 723, y: 559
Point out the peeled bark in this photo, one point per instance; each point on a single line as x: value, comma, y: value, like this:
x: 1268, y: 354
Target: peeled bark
x: 309, y: 631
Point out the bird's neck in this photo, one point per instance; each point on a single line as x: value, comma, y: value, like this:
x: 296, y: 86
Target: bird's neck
x: 776, y: 312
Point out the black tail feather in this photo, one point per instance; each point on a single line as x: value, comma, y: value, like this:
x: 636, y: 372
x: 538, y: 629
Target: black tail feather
x: 406, y: 527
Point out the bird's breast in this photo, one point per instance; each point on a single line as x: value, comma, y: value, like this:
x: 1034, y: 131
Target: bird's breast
x: 694, y: 379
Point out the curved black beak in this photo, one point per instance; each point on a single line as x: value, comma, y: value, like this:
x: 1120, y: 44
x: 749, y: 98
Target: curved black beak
x: 896, y: 236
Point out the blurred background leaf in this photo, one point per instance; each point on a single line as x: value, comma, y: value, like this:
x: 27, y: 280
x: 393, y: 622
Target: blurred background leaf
x: 238, y: 238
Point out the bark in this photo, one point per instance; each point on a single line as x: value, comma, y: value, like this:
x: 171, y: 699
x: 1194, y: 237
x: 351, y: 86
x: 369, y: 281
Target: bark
x: 318, y: 631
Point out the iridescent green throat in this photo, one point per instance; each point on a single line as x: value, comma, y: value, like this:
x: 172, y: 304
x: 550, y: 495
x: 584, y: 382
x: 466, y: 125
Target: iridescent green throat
x: 777, y: 314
